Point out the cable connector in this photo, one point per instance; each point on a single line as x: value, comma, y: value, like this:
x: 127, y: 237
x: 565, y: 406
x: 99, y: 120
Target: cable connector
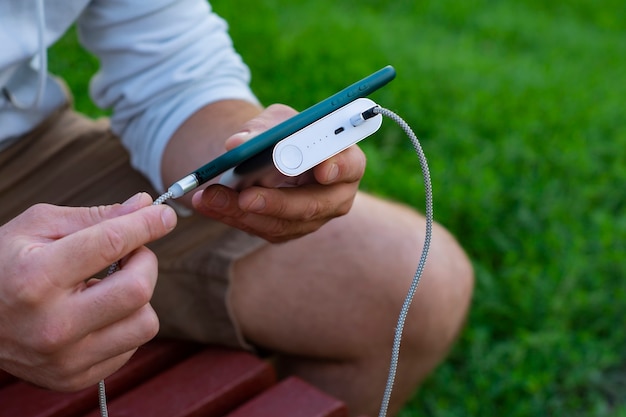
x: 360, y: 118
x: 183, y: 186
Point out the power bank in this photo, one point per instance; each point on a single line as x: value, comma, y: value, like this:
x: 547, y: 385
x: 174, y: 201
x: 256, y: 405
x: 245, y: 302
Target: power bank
x: 291, y: 158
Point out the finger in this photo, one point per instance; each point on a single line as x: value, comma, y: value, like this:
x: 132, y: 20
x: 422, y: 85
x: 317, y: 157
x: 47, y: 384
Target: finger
x: 274, y: 228
x: 109, y: 348
x: 347, y: 166
x: 89, y: 308
x: 305, y: 203
x: 82, y: 378
x: 114, y: 340
x: 217, y: 198
x: 88, y: 251
x: 116, y: 297
x: 53, y: 222
x: 124, y: 335
x: 104, y: 351
x: 271, y: 116
x: 103, y: 370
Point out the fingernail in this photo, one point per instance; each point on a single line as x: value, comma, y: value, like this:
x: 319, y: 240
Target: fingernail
x: 133, y: 200
x: 168, y: 217
x: 258, y: 204
x: 243, y: 134
x: 237, y: 139
x: 219, y: 199
x: 333, y: 172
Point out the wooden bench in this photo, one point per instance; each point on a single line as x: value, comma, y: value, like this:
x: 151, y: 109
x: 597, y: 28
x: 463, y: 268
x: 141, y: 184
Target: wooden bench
x: 178, y: 379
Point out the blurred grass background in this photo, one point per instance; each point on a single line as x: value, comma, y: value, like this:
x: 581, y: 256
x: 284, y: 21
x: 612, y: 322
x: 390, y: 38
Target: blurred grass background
x: 520, y: 109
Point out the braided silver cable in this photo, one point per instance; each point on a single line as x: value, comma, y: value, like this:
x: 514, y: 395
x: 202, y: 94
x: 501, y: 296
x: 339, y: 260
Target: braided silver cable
x: 395, y: 353
x: 115, y: 266
x: 102, y: 399
x: 162, y: 199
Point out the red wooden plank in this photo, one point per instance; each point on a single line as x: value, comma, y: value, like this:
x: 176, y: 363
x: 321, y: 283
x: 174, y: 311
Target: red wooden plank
x: 25, y: 400
x: 292, y: 397
x: 209, y: 383
x: 6, y: 378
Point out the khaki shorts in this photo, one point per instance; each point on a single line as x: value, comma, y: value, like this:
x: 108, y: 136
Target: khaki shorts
x: 75, y: 161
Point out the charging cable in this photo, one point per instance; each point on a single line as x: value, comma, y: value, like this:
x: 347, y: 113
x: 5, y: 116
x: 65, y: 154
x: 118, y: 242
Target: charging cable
x: 428, y: 214
x: 395, y: 351
x: 102, y: 397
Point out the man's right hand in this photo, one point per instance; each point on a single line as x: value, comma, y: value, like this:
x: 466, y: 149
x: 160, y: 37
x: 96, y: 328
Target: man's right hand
x: 58, y: 328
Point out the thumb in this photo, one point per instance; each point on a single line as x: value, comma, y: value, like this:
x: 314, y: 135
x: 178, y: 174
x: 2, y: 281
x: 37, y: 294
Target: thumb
x: 68, y: 220
x: 93, y: 248
x: 268, y: 118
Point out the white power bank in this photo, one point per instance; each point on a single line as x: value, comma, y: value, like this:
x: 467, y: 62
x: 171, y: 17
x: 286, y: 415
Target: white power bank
x: 324, y: 138
x: 294, y: 156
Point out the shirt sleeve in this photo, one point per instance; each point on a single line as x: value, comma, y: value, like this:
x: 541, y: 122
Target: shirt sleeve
x: 160, y: 61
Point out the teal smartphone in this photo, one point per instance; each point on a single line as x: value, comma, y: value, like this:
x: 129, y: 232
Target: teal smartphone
x: 272, y: 136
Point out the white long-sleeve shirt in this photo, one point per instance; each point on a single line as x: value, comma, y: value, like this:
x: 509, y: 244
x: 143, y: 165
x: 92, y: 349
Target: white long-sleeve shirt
x: 160, y: 61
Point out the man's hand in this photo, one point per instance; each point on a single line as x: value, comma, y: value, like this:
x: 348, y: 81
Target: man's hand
x: 58, y: 328
x: 281, y: 214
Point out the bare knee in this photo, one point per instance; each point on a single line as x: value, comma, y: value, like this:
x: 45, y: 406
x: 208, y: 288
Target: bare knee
x: 443, y: 296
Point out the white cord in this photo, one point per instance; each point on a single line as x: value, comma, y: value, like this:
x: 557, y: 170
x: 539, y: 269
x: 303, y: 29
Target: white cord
x: 102, y: 399
x: 102, y: 396
x: 395, y: 353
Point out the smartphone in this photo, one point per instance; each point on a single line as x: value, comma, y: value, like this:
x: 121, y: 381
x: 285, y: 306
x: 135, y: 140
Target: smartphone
x: 288, y: 163
x: 263, y: 143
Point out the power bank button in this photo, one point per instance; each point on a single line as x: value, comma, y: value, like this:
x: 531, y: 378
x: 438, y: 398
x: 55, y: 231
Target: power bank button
x: 291, y: 157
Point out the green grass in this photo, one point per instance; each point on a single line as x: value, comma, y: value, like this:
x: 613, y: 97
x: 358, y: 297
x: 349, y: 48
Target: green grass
x: 520, y: 109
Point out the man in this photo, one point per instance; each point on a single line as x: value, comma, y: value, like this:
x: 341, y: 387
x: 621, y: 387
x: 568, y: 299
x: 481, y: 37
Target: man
x: 314, y: 274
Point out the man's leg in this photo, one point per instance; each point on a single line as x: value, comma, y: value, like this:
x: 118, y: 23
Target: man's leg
x: 328, y: 303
